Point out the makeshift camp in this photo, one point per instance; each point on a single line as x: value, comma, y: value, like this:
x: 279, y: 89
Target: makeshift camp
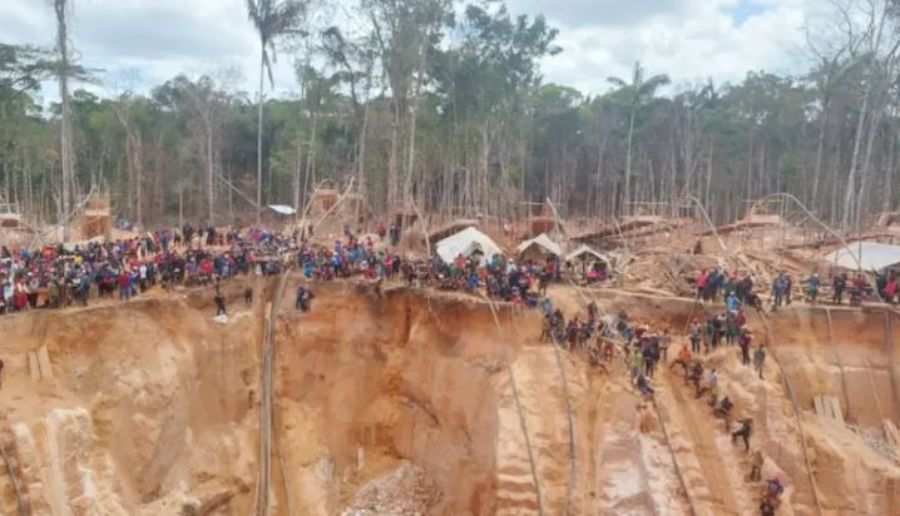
x: 10, y: 216
x: 467, y: 242
x: 590, y: 264
x: 585, y: 253
x: 451, y: 228
x: 866, y: 256
x: 96, y: 220
x: 538, y: 248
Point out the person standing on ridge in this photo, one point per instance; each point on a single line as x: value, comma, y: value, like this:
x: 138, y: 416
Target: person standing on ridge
x: 220, y: 303
x: 812, y: 288
x: 838, y: 284
x: 695, y: 336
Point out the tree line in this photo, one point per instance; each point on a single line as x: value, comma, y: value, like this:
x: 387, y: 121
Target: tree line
x: 431, y: 106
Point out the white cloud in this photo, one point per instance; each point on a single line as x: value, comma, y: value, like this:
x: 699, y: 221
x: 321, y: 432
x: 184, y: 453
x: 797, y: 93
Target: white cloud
x: 691, y: 40
x: 144, y: 42
x: 141, y: 43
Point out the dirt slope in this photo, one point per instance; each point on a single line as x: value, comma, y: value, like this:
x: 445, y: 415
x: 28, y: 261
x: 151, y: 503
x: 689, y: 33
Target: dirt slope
x: 151, y: 408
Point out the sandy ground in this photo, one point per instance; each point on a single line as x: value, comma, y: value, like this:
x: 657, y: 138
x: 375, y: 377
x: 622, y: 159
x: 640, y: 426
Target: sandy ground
x: 407, y: 402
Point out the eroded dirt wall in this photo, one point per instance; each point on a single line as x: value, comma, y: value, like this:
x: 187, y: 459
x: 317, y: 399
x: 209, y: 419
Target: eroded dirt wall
x: 144, y: 406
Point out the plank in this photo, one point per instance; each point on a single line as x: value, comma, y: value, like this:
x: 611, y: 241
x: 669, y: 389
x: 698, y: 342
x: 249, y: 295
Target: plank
x: 44, y: 363
x: 836, y: 412
x: 33, y: 366
x: 820, y: 407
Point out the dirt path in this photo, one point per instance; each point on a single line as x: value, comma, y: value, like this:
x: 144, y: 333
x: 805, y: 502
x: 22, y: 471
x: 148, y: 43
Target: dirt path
x: 690, y: 424
x: 516, y: 491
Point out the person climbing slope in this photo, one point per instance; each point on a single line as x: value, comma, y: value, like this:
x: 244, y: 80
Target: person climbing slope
x: 744, y: 341
x: 683, y: 359
x: 759, y: 359
x: 743, y: 432
x: 756, y: 465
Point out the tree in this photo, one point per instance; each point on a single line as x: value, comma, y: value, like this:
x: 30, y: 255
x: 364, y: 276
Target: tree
x: 485, y: 81
x: 67, y: 154
x: 22, y: 68
x: 355, y: 61
x: 204, y: 101
x: 404, y: 30
x: 638, y: 92
x: 272, y: 20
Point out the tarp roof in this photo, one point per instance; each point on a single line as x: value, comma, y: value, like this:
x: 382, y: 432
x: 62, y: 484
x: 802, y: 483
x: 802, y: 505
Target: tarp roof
x: 542, y: 241
x: 585, y: 250
x: 872, y: 256
x: 450, y: 228
x: 282, y: 209
x: 465, y: 243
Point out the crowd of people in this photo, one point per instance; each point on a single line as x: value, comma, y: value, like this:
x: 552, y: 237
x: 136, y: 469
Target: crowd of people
x: 717, y: 283
x: 608, y: 340
x: 57, y: 276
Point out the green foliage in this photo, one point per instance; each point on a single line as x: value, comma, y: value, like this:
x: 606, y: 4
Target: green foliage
x: 489, y: 133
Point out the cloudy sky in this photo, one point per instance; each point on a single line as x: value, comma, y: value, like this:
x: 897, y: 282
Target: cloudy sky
x: 144, y: 42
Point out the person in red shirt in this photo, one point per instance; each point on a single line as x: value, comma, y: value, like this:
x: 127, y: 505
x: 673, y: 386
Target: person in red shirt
x: 701, y: 283
x: 123, y: 285
x: 891, y: 289
x: 460, y: 262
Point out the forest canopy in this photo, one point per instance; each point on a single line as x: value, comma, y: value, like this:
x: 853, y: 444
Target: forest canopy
x: 443, y: 106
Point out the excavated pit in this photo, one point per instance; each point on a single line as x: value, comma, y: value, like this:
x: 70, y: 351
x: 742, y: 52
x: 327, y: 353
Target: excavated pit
x: 410, y: 402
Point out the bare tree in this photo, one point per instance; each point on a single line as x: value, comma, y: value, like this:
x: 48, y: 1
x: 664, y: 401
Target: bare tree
x: 67, y: 153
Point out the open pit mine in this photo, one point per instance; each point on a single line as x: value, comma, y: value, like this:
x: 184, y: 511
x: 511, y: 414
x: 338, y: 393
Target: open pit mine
x: 399, y: 400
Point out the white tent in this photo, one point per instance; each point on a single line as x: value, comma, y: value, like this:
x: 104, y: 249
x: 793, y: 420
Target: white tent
x: 586, y: 253
x: 543, y: 242
x: 867, y: 256
x: 466, y: 242
x: 282, y: 209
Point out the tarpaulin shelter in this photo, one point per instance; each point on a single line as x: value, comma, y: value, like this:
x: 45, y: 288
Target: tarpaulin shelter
x: 866, y: 256
x: 540, y: 246
x: 466, y: 243
x: 282, y: 209
x: 585, y: 253
x: 594, y: 266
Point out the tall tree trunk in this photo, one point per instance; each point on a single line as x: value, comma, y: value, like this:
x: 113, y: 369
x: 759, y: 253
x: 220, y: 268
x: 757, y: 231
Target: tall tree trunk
x: 820, y: 153
x: 483, y: 167
x: 362, y: 186
x: 311, y: 154
x: 67, y: 155
x: 210, y: 172
x: 887, y: 186
x: 392, y: 155
x: 709, y: 161
x: 298, y: 171
x: 865, y: 171
x: 627, y: 193
x: 749, y: 193
x: 413, y: 119
x: 850, y: 192
x: 259, y: 135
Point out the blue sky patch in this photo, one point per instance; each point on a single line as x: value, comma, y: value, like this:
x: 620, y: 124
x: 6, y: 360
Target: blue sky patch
x: 746, y: 9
